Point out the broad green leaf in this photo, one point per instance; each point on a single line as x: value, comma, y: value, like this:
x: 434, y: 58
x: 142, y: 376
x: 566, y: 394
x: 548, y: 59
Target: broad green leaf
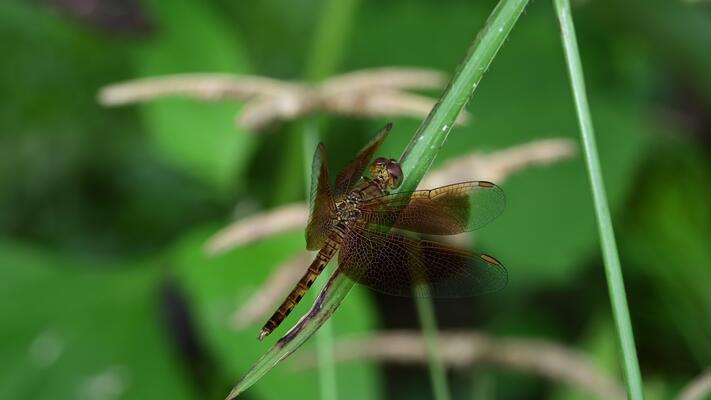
x: 666, y: 237
x: 201, y: 137
x: 79, y: 331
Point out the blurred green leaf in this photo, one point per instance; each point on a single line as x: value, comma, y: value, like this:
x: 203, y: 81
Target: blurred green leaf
x: 76, y: 332
x: 89, y: 181
x: 218, y: 286
x: 674, y: 34
x: 201, y: 137
x: 86, y: 179
x: 666, y: 236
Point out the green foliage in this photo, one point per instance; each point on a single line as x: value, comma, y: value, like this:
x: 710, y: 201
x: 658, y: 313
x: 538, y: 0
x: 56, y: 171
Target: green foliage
x: 669, y: 214
x: 100, y: 207
x: 81, y: 330
x: 201, y: 138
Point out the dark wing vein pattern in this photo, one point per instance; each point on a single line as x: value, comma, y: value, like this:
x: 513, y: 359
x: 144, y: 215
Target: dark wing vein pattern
x: 396, y: 264
x: 321, y: 202
x: 446, y: 210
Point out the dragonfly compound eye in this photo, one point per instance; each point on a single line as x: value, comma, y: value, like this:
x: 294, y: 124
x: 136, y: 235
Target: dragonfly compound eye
x: 395, y: 173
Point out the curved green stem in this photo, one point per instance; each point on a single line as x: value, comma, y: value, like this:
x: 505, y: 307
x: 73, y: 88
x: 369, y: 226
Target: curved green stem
x: 433, y: 132
x: 428, y: 321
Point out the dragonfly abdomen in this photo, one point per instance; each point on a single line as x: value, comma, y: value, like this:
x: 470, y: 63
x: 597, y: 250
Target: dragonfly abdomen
x: 322, y: 258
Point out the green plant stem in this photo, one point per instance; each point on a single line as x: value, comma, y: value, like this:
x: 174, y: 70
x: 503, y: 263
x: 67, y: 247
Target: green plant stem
x: 329, y: 39
x: 430, y: 136
x: 484, y: 384
x: 611, y: 259
x: 433, y: 132
x: 438, y: 375
x: 326, y: 52
x: 415, y: 161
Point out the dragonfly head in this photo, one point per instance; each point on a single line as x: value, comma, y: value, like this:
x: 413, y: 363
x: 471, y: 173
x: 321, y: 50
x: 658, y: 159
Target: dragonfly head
x: 388, y: 171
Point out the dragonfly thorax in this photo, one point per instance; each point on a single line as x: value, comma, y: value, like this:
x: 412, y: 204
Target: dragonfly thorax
x: 347, y: 210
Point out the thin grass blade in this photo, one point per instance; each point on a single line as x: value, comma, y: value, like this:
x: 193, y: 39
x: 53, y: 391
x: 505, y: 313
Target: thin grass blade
x: 613, y: 271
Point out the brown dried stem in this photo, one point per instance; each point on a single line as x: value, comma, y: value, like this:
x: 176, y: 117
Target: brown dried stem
x: 210, y: 87
x: 697, y: 389
x: 370, y: 93
x: 258, y: 226
x: 262, y: 112
x: 264, y: 301
x: 382, y: 104
x: 499, y: 165
x: 465, y: 349
x: 388, y: 78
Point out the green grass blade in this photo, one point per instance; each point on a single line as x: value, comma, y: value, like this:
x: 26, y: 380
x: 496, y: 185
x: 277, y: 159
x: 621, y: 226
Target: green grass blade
x: 613, y: 270
x: 428, y: 322
x: 415, y: 162
x: 329, y: 40
x: 430, y: 136
x: 325, y: 305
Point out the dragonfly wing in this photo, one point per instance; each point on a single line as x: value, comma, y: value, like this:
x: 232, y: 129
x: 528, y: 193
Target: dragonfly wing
x: 446, y: 210
x: 393, y: 263
x: 346, y: 179
x: 321, y: 206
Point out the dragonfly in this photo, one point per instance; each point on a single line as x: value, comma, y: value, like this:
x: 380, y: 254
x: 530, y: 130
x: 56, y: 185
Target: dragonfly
x: 375, y: 232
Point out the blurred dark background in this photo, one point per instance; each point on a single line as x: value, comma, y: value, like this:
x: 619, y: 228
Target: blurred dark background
x: 105, y: 290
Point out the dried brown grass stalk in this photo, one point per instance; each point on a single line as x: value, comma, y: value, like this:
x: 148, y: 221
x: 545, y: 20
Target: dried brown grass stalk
x: 258, y: 226
x: 499, y: 165
x: 209, y: 87
x: 465, y: 349
x: 367, y: 93
x: 387, y: 78
x: 699, y: 388
x: 264, y: 301
x: 382, y: 103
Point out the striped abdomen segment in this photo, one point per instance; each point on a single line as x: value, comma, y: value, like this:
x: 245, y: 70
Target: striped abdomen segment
x: 322, y: 258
